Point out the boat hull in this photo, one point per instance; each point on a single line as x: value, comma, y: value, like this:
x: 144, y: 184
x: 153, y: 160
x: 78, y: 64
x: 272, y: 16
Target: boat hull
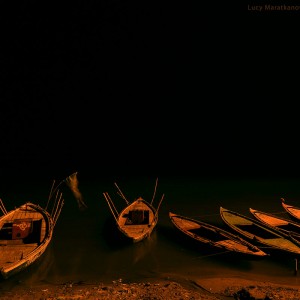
x: 258, y: 233
x: 139, y: 217
x: 292, y: 210
x: 283, y: 225
x: 214, y: 237
x: 137, y: 220
x: 24, y: 236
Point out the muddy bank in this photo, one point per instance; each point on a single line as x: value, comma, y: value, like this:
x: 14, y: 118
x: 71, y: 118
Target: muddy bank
x: 204, y: 288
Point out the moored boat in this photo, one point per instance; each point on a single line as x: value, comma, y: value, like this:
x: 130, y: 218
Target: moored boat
x: 258, y: 233
x: 284, y: 225
x: 26, y: 232
x: 292, y: 210
x: 214, y: 237
x: 137, y: 219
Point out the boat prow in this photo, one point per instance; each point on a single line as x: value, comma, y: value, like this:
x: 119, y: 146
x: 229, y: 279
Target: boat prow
x: 292, y: 210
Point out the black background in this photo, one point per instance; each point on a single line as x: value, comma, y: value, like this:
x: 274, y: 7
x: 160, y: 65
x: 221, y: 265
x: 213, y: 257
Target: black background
x: 143, y: 87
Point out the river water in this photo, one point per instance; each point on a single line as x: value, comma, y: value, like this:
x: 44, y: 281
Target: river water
x: 85, y: 246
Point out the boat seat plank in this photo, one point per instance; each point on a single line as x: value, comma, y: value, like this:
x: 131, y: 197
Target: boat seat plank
x: 10, y: 254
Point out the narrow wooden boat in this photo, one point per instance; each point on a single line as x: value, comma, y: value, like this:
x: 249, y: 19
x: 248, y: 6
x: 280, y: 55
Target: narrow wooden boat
x: 292, y: 210
x: 138, y: 219
x: 26, y: 231
x: 284, y: 225
x: 258, y: 233
x: 214, y: 237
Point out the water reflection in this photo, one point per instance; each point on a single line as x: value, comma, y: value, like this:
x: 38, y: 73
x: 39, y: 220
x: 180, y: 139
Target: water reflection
x: 36, y: 273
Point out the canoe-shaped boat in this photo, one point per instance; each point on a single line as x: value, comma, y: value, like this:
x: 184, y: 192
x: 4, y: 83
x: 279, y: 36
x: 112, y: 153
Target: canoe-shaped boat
x: 292, y: 210
x: 282, y: 224
x: 26, y: 231
x: 256, y: 232
x: 214, y: 237
x: 137, y: 219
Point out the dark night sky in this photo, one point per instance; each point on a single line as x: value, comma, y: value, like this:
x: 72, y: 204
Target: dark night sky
x: 125, y: 86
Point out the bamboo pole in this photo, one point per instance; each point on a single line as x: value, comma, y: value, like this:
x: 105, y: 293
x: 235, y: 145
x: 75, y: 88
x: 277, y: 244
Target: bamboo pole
x: 55, y: 201
x: 50, y: 195
x: 159, y: 204
x: 57, y: 206
x: 154, y: 190
x: 108, y: 200
x: 58, y: 214
x: 55, y: 188
x: 121, y: 194
x: 3, y: 207
x: 113, y: 205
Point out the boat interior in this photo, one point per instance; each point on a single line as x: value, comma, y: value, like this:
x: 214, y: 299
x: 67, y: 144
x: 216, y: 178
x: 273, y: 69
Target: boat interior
x: 21, y: 231
x: 137, y: 217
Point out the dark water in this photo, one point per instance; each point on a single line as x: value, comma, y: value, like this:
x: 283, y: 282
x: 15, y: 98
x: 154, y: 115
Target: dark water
x: 85, y: 246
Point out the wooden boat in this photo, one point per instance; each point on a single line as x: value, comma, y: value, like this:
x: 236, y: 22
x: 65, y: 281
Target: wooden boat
x: 258, y: 233
x: 138, y: 219
x: 214, y: 237
x: 26, y: 231
x: 284, y: 225
x: 293, y: 211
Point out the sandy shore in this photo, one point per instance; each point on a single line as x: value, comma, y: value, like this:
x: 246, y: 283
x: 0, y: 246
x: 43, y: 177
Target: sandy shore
x: 204, y: 288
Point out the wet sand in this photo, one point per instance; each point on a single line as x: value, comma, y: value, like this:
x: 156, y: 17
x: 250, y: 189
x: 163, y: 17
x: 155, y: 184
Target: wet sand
x: 204, y: 288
